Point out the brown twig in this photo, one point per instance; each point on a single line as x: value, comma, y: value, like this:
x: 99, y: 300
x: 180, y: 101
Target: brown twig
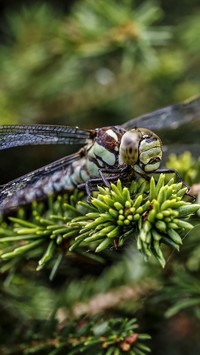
x: 102, y: 302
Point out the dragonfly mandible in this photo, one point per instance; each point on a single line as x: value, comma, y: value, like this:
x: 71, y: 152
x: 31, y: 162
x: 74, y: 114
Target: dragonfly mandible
x: 105, y: 150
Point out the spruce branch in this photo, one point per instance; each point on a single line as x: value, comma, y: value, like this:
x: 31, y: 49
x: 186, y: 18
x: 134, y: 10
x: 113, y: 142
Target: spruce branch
x: 86, y: 336
x: 152, y: 213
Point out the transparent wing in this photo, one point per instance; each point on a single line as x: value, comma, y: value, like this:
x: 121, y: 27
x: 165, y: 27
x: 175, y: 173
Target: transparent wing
x: 177, y: 122
x: 37, y: 184
x: 13, y: 136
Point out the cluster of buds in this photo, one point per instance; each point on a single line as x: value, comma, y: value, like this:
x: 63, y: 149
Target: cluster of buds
x: 153, y: 213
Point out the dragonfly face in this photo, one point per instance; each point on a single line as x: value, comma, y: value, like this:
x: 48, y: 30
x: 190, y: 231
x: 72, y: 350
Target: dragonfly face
x: 142, y: 149
x: 105, y: 149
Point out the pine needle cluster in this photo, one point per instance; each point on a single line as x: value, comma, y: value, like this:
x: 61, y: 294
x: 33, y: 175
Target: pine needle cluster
x: 150, y: 213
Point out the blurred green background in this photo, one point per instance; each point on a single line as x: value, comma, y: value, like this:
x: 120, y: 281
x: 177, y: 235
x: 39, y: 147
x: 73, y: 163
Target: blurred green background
x: 96, y: 59
x: 92, y: 63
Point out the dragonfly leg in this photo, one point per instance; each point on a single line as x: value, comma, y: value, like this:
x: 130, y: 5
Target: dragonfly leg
x: 103, y: 178
x: 179, y: 178
x: 114, y: 174
x: 172, y: 171
x: 91, y: 184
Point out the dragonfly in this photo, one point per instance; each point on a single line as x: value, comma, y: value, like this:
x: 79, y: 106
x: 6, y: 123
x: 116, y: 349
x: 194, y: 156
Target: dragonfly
x: 114, y: 151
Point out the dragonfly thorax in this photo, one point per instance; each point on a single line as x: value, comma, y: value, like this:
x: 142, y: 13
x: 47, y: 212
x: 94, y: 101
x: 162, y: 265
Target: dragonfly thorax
x: 104, y: 152
x: 142, y: 149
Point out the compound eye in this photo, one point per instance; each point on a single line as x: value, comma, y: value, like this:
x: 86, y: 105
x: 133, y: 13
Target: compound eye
x: 152, y: 165
x: 151, y: 156
x: 128, y: 150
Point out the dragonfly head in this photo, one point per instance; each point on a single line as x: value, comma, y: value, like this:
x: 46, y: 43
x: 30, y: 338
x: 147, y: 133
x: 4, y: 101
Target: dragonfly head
x: 142, y: 149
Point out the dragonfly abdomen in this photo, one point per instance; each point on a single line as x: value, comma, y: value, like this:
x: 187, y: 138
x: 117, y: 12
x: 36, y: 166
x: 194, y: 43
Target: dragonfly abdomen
x: 38, y: 185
